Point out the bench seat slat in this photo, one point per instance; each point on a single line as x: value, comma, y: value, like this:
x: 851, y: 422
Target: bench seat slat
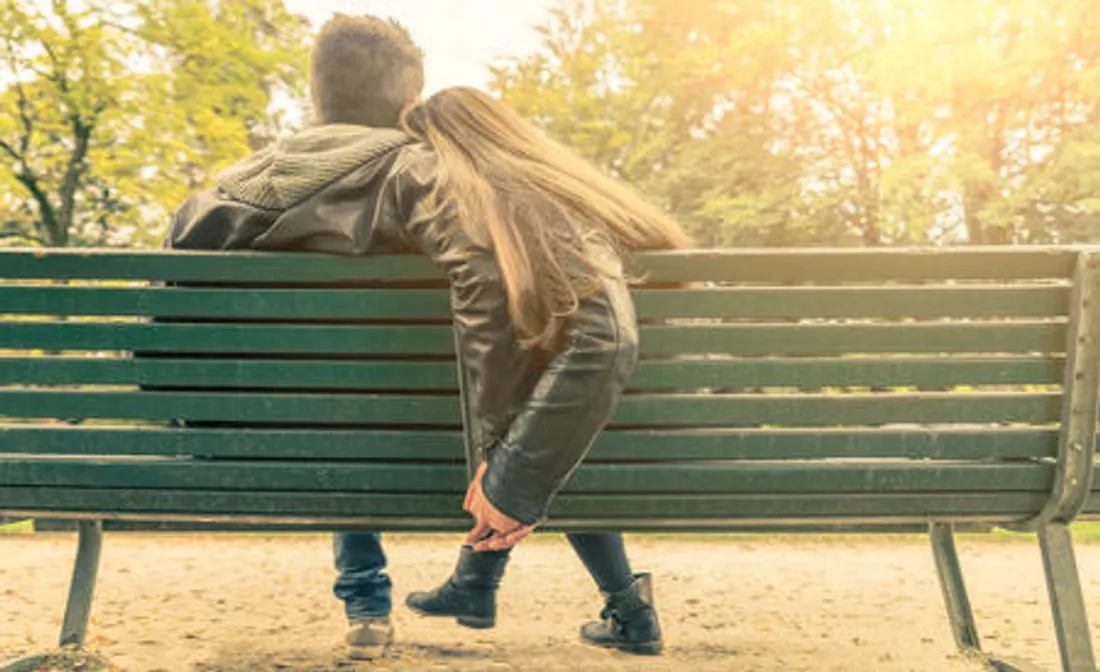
x: 937, y: 301
x: 616, y: 445
x: 648, y: 510
x: 737, y: 339
x: 661, y: 374
x: 669, y: 477
x: 639, y: 411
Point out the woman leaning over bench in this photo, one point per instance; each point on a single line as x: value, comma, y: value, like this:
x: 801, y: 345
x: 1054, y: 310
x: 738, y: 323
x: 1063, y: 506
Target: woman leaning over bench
x: 530, y: 236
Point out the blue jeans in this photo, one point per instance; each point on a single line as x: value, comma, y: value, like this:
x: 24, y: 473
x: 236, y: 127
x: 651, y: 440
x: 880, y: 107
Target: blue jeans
x: 362, y: 584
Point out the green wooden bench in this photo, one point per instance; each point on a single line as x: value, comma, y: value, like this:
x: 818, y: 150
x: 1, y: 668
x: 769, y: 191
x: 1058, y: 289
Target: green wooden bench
x: 785, y: 390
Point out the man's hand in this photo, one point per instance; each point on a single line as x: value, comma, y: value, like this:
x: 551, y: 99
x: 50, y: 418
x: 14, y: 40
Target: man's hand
x: 493, y: 529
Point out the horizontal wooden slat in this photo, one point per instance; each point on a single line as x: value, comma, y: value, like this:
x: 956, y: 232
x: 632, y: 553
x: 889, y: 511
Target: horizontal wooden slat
x: 252, y: 267
x: 680, y: 525
x: 234, y: 407
x: 921, y: 302
x: 741, y: 509
x: 242, y: 373
x: 683, y: 410
x: 818, y: 265
x: 623, y: 511
x: 617, y: 445
x: 836, y: 409
x: 827, y: 266
x: 437, y: 445
x: 297, y: 304
x: 829, y: 339
x: 809, y: 373
x: 187, y: 473
x: 1092, y: 507
x: 740, y: 302
x: 809, y: 476
x: 793, y: 444
x: 229, y: 338
x: 741, y: 339
x: 712, y: 477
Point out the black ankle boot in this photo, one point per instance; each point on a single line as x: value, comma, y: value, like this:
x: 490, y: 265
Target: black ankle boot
x: 469, y: 595
x: 628, y: 621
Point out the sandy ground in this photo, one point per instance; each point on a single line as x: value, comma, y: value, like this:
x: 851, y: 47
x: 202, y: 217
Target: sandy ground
x: 243, y: 603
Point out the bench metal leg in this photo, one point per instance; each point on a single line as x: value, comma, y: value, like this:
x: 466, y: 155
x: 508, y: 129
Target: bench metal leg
x: 955, y: 598
x: 959, y: 612
x: 79, y: 608
x: 1067, y: 600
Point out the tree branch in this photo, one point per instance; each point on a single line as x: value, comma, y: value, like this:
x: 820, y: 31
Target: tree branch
x: 10, y: 151
x: 46, y: 211
x: 74, y: 171
x: 23, y: 238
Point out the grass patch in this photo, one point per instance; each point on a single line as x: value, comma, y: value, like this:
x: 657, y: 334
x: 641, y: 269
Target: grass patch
x: 1085, y: 532
x: 22, y: 527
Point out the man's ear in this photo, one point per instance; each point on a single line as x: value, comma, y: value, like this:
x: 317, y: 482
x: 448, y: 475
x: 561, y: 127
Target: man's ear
x: 409, y: 104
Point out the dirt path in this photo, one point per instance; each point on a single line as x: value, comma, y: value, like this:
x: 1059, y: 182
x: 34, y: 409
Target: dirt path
x: 247, y: 603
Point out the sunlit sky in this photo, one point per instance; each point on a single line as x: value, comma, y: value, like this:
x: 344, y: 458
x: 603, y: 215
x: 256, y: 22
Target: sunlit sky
x: 459, y: 37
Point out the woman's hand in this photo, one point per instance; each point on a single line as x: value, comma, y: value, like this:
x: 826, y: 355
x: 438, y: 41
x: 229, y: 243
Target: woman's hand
x: 493, y: 529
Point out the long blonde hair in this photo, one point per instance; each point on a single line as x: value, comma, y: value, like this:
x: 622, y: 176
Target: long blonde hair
x: 542, y: 209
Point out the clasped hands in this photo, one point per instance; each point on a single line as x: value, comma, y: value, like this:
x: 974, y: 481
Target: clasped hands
x: 493, y: 529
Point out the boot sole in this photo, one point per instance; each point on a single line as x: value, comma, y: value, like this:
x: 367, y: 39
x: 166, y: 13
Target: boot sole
x: 369, y: 652
x: 640, y: 649
x: 472, y: 622
x: 476, y: 622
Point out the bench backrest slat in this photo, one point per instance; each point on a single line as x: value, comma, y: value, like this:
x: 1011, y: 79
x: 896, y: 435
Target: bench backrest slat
x: 771, y: 266
x: 785, y: 385
x: 884, y: 302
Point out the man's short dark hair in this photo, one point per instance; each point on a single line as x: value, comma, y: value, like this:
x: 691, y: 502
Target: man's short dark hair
x: 364, y: 71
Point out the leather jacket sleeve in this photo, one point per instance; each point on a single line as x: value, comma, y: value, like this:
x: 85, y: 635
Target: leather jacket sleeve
x: 571, y: 404
x: 498, y: 373
x: 210, y: 220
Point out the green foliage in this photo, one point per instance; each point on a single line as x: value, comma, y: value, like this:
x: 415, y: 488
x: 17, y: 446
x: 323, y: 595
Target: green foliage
x: 22, y: 527
x: 780, y: 122
x: 114, y: 111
